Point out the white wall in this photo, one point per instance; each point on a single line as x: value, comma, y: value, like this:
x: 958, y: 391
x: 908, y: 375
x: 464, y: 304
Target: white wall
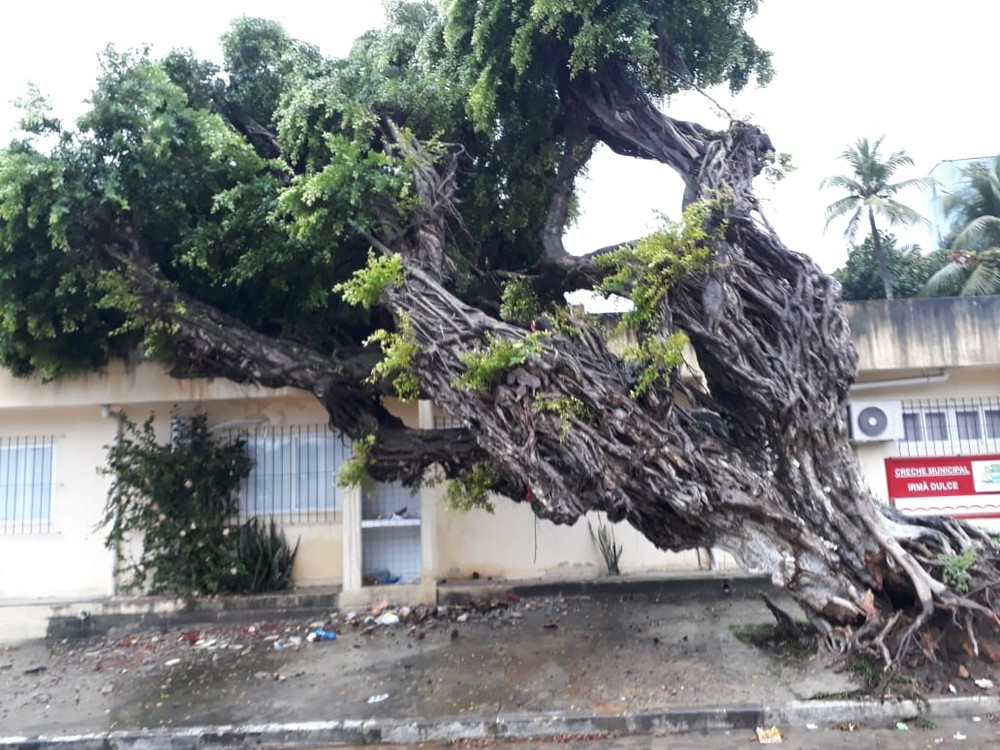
x: 70, y: 560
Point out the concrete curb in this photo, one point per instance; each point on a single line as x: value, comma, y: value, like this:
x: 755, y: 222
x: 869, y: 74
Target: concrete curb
x: 506, y: 726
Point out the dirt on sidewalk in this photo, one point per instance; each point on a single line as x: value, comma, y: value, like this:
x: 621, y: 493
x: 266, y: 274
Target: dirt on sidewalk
x: 600, y: 653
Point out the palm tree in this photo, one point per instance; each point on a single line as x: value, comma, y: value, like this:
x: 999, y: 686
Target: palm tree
x: 870, y: 191
x: 974, y: 211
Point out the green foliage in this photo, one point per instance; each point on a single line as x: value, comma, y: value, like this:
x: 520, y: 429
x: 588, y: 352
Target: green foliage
x: 471, y: 489
x: 777, y: 167
x: 244, y: 185
x: 608, y: 546
x: 955, y: 570
x: 264, y: 558
x: 367, y: 284
x: 485, y: 367
x: 659, y: 358
x: 518, y: 304
x: 396, y: 365
x: 567, y: 408
x: 180, y: 498
x: 645, y: 271
x: 860, y: 280
x: 354, y: 471
x: 870, y: 196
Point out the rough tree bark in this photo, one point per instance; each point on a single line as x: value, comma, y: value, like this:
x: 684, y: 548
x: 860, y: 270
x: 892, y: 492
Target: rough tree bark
x: 784, y: 494
x: 779, y: 489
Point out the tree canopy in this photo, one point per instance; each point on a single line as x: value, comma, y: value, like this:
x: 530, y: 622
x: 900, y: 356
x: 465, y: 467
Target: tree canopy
x: 973, y: 210
x: 393, y: 220
x: 871, y: 195
x: 859, y: 277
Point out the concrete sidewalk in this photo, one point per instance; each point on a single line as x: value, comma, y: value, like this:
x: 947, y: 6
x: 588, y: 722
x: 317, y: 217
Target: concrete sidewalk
x: 627, y: 658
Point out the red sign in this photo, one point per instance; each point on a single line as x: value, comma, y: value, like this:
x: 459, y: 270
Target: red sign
x: 968, y: 486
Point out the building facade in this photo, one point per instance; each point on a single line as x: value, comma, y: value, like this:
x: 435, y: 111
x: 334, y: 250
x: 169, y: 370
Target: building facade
x: 925, y: 413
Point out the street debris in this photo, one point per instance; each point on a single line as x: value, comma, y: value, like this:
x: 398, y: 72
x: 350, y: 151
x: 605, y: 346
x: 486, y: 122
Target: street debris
x: 902, y: 726
x: 984, y: 683
x: 378, y: 698
x: 322, y: 634
x: 771, y: 736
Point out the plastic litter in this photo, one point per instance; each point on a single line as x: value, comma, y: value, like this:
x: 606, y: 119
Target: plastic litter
x: 387, y: 618
x: 322, y: 634
x: 984, y: 683
x: 902, y: 726
x: 378, y: 698
x: 959, y: 736
x: 771, y: 736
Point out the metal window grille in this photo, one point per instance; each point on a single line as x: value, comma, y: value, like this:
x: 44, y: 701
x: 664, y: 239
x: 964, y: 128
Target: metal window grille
x: 951, y: 427
x: 25, y: 485
x: 294, y: 473
x: 444, y: 421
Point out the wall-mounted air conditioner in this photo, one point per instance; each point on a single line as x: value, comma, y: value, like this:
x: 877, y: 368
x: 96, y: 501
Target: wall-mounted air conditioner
x: 876, y: 421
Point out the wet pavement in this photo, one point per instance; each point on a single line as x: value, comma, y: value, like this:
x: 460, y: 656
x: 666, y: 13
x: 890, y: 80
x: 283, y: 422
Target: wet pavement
x: 606, y: 654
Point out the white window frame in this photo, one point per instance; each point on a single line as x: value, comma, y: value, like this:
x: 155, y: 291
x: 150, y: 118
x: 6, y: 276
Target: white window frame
x: 20, y: 478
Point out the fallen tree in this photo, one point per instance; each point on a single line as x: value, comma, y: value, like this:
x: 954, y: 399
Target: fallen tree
x: 230, y: 275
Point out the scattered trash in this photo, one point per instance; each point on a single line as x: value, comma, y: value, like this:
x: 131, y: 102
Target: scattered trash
x: 379, y: 608
x: 378, y: 698
x: 959, y: 736
x: 171, y: 662
x: 464, y: 617
x: 951, y: 688
x: 291, y: 642
x: 551, y: 625
x: 977, y: 718
x: 387, y: 618
x: 902, y: 726
x: 322, y: 634
x: 812, y: 725
x: 984, y: 683
x: 963, y: 673
x: 107, y: 689
x: 770, y: 736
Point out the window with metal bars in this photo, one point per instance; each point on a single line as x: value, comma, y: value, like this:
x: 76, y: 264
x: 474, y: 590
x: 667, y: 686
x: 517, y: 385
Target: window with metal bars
x: 294, y: 473
x: 956, y: 427
x: 25, y: 485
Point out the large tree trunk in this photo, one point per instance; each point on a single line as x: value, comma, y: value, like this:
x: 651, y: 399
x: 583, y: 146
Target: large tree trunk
x: 779, y: 487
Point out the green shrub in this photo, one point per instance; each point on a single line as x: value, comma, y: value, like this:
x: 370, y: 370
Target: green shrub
x: 180, y: 499
x: 264, y: 559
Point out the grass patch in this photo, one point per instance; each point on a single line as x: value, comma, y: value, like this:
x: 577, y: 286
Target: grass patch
x: 769, y: 638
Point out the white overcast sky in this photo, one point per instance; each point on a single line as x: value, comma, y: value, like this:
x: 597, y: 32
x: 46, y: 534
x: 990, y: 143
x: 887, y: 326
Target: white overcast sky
x: 917, y: 71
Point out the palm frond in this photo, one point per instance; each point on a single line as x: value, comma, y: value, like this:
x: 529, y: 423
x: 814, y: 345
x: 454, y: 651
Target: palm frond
x: 841, y: 208
x: 894, y: 211
x: 972, y: 234
x: 947, y: 280
x: 844, y: 183
x: 984, y: 280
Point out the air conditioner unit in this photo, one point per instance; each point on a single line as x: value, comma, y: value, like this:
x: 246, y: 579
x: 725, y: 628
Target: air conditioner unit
x: 876, y: 421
